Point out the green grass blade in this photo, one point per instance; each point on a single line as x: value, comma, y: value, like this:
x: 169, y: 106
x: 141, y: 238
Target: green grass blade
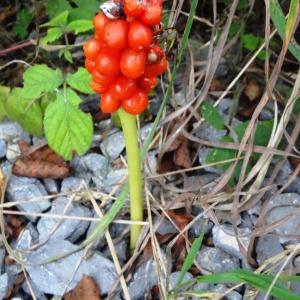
x: 260, y: 281
x: 189, y: 260
x: 278, y: 19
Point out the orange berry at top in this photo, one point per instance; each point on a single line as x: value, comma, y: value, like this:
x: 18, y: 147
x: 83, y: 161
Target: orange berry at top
x: 132, y: 63
x: 139, y: 35
x: 91, y: 49
x: 133, y: 8
x: 152, y: 15
x: 100, y: 20
x: 115, y: 34
x: 108, y: 62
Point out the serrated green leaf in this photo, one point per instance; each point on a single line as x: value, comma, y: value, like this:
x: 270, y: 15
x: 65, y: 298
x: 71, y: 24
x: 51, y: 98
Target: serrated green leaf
x: 250, y: 41
x: 27, y: 112
x: 58, y: 21
x: 80, y: 81
x: 55, y: 7
x: 85, y: 9
x: 24, y: 18
x: 212, y: 116
x: 68, y: 95
x: 67, y: 128
x: 68, y: 55
x: 52, y: 35
x: 79, y: 26
x: 46, y: 100
x: 4, y: 92
x: 41, y: 78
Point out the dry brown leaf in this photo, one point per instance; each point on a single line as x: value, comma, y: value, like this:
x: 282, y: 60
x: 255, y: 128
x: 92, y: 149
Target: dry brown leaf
x: 216, y: 86
x: 40, y: 162
x: 183, y: 156
x: 295, y: 162
x: 86, y: 289
x: 14, y: 226
x: 252, y: 90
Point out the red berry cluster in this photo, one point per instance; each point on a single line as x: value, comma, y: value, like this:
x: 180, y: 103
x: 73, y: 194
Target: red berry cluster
x: 123, y: 56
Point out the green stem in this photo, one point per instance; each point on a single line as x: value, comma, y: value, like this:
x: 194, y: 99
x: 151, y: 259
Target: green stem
x: 129, y: 127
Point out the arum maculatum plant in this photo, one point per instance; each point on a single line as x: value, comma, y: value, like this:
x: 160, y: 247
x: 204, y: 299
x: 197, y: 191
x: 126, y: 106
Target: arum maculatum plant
x: 124, y: 58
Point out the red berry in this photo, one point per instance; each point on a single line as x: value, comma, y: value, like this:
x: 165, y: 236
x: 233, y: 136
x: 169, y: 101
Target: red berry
x: 139, y: 35
x: 137, y: 103
x: 152, y: 15
x: 132, y: 63
x: 147, y: 83
x: 108, y: 104
x: 89, y: 65
x: 123, y: 88
x: 91, y: 49
x: 115, y: 34
x: 103, y: 80
x: 100, y: 20
x: 108, y: 62
x: 98, y: 88
x: 154, y: 70
x: 133, y: 8
x: 154, y: 54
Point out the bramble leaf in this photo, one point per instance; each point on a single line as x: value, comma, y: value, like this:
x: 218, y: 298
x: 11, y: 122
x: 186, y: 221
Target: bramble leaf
x: 79, y: 26
x: 26, y: 111
x: 24, y: 18
x: 41, y: 78
x: 58, y: 21
x: 80, y: 81
x: 67, y: 128
x: 4, y: 92
x: 52, y: 35
x: 55, y: 7
x: 212, y: 116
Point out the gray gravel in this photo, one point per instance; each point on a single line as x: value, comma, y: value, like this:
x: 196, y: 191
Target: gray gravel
x: 3, y: 148
x: 224, y: 238
x: 216, y: 260
x: 113, y: 145
x: 25, y: 189
x: 281, y: 206
x: 67, y: 229
x: 10, y: 131
x: 3, y: 285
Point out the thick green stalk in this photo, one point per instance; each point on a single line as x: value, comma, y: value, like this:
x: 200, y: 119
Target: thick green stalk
x: 129, y: 127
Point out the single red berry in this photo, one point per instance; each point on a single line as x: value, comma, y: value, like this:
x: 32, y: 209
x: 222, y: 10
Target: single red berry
x: 134, y: 8
x: 91, y: 49
x: 108, y: 104
x: 154, y: 54
x: 123, y: 88
x: 137, y: 103
x: 115, y: 34
x: 152, y: 15
x: 100, y: 20
x: 98, y: 88
x: 89, y: 65
x: 147, y: 83
x: 108, y: 62
x: 154, y: 70
x: 102, y: 79
x: 132, y: 63
x: 139, y: 35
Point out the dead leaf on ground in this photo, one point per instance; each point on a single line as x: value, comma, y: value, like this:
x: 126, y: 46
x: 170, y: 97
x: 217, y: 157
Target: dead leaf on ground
x: 216, y: 86
x: 40, y: 162
x: 183, y: 156
x: 295, y: 162
x: 15, y: 225
x: 86, y: 289
x: 252, y: 90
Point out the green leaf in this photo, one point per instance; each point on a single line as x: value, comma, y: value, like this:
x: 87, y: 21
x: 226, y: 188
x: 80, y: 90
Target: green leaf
x: 67, y: 55
x: 278, y: 19
x: 79, y: 26
x: 80, y: 81
x: 52, y: 35
x: 55, y: 7
x: 212, y: 116
x: 219, y: 155
x: 41, y: 78
x: 27, y: 112
x: 250, y: 41
x: 67, y: 128
x: 86, y: 9
x: 4, y: 92
x: 189, y: 260
x: 58, y: 21
x: 24, y: 18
